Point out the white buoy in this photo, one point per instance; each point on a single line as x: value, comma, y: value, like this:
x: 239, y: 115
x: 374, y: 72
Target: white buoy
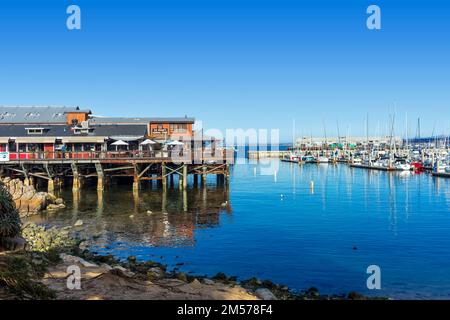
x: 311, y: 184
x: 275, y: 176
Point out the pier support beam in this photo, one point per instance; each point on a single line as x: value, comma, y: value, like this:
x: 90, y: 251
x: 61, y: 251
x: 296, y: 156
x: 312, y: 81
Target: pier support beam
x: 163, y: 176
x: 76, y: 177
x: 50, y: 186
x: 185, y: 175
x: 204, y: 175
x: 100, y: 176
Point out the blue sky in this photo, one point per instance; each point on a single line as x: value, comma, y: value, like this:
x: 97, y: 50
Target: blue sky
x: 234, y: 64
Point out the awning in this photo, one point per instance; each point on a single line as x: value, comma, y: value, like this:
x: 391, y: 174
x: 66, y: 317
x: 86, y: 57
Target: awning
x: 4, y: 139
x: 35, y: 140
x: 119, y: 143
x: 147, y: 141
x: 126, y: 138
x: 82, y: 139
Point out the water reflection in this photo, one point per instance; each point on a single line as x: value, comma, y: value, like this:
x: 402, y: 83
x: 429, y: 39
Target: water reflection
x: 283, y: 231
x: 152, y: 217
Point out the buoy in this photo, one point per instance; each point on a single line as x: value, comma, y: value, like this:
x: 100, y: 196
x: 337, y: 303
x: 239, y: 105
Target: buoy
x: 254, y: 171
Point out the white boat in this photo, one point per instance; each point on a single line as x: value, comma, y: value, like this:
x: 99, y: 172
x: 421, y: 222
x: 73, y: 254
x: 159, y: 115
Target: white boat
x: 291, y: 157
x: 322, y: 159
x: 402, y: 165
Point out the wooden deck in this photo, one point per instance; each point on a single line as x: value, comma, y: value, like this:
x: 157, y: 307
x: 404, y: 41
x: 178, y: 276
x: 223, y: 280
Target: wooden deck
x: 54, y: 167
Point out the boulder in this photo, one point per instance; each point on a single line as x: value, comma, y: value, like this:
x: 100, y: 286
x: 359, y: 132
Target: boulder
x: 26, y: 198
x: 67, y: 258
x: 208, y: 281
x: 265, y: 294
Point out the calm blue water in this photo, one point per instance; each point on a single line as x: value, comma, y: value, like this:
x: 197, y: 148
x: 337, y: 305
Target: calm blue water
x: 275, y: 227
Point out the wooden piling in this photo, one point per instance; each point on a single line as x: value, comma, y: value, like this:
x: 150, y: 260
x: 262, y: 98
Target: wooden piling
x: 185, y: 175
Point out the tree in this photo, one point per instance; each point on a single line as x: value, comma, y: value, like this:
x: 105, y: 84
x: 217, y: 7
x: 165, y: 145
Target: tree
x: 10, y: 225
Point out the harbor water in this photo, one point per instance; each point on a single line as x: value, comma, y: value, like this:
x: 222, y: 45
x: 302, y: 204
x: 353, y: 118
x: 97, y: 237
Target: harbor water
x: 274, y: 225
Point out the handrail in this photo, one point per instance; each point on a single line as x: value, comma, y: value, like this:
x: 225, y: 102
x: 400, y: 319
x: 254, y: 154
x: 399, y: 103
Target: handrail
x: 186, y: 155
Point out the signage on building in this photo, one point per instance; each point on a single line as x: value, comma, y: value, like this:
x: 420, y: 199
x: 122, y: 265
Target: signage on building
x: 159, y: 130
x: 4, y: 156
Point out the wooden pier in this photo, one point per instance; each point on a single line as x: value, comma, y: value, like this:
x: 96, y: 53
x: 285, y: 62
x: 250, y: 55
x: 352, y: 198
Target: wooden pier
x: 79, y: 167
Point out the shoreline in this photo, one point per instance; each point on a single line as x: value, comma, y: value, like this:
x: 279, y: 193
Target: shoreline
x: 53, y: 250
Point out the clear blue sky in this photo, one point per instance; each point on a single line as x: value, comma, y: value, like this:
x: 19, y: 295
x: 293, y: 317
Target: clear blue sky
x: 234, y: 64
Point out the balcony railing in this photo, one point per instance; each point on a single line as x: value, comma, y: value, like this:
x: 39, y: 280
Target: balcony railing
x: 167, y: 155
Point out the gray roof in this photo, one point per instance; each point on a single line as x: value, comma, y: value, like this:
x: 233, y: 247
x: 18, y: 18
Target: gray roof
x: 35, y: 114
x: 138, y: 120
x: 65, y: 131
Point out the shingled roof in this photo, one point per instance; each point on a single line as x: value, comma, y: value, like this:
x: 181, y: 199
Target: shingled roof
x: 65, y: 131
x: 35, y: 114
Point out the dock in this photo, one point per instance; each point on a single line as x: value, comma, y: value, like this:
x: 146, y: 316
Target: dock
x: 57, y: 169
x: 364, y: 166
x: 441, y: 174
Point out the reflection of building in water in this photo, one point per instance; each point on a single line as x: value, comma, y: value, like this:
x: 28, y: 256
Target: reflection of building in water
x: 151, y: 222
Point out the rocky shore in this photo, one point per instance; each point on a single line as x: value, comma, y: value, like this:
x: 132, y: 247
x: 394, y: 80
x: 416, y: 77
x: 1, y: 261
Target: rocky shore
x: 28, y: 200
x: 41, y: 273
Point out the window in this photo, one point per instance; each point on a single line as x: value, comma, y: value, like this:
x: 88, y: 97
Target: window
x: 35, y: 130
x: 178, y: 127
x: 82, y: 130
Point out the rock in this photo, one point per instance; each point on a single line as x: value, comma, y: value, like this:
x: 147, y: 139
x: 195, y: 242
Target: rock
x: 155, y: 273
x: 265, y: 294
x: 84, y: 245
x: 208, y: 281
x: 41, y: 239
x: 28, y: 201
x: 131, y: 216
x: 105, y: 266
x: 182, y: 276
x: 149, y: 212
x: 124, y: 271
x: 73, y: 259
x: 55, y: 206
x: 13, y: 243
x: 78, y: 223
x: 132, y: 259
x: 59, y: 201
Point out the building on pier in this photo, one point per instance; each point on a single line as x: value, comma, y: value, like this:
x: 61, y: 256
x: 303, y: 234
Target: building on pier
x: 43, y: 131
x: 58, y: 142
